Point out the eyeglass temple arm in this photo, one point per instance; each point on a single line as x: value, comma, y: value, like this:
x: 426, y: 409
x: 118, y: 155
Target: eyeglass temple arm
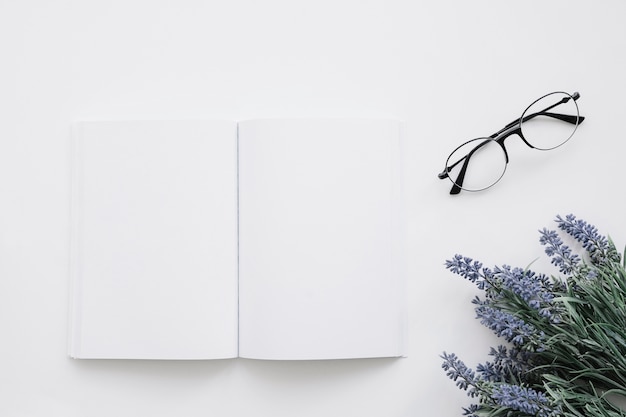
x: 564, y: 117
x: 459, y: 179
x: 568, y: 118
x: 456, y: 185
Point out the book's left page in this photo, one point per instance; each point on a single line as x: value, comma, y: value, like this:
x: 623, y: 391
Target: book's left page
x: 154, y: 240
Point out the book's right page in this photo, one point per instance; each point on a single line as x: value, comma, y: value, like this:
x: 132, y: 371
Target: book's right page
x: 321, y: 239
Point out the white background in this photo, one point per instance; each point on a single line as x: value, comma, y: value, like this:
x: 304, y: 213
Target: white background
x: 453, y: 70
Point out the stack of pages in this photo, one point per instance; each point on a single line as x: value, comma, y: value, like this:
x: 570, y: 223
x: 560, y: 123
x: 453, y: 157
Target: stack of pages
x: 265, y: 239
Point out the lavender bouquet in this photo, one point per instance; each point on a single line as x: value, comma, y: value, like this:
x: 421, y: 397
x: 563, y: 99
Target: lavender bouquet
x: 565, y: 350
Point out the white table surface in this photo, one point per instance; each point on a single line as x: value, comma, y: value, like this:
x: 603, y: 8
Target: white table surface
x: 453, y: 70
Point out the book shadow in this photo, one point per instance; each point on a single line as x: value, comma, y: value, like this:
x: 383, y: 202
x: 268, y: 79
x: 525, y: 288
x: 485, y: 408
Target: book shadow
x: 186, y: 370
x: 316, y: 371
x: 276, y: 372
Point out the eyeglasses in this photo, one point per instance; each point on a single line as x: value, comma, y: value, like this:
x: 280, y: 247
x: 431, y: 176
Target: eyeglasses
x: 546, y: 124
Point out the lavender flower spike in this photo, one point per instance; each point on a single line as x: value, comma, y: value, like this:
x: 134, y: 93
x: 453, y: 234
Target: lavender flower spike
x: 534, y: 289
x: 561, y: 254
x: 457, y: 371
x: 470, y: 269
x: 506, y: 325
x: 523, y: 399
x: 600, y: 249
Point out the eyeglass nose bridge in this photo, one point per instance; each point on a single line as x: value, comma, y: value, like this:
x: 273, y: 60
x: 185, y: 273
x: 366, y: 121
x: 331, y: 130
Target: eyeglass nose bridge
x: 513, y: 128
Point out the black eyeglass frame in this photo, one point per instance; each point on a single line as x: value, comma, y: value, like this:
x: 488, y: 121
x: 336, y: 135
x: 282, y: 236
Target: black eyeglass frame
x: 513, y: 128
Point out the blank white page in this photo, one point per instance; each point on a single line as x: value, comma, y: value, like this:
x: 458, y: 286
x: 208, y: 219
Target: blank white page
x: 321, y: 247
x: 154, y: 240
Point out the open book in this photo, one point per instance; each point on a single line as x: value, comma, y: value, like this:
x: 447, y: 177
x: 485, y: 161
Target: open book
x: 265, y: 239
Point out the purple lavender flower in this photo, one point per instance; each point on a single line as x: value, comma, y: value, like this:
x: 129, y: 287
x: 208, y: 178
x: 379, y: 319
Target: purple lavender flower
x: 561, y: 254
x: 511, y: 328
x: 507, y: 362
x: 466, y: 267
x: 523, y: 399
x: 471, y: 270
x: 534, y: 289
x: 517, y: 304
x: 600, y: 249
x: 457, y: 371
x: 471, y: 411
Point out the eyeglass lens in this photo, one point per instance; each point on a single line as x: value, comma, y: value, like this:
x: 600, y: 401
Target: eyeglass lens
x: 481, y: 163
x: 548, y: 129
